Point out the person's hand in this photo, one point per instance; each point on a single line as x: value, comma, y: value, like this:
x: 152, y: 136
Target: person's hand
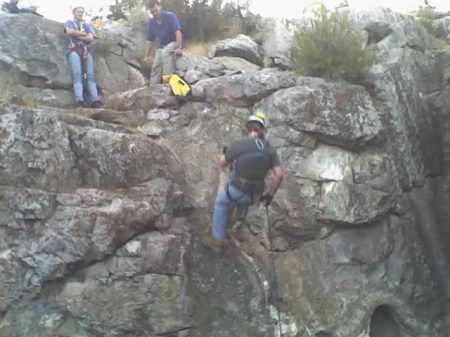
x: 266, y: 200
x: 148, y: 59
x: 178, y: 51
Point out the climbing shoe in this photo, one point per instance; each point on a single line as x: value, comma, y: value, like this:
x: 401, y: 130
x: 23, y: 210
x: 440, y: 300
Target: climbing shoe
x: 79, y: 104
x: 96, y: 104
x: 213, y: 244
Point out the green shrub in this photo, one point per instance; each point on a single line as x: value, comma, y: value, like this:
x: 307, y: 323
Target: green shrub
x: 137, y: 19
x: 104, y: 46
x: 201, y: 20
x: 328, y: 45
x: 426, y: 15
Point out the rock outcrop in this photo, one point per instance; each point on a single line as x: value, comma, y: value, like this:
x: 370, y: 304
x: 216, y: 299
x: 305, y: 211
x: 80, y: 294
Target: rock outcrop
x: 278, y: 38
x: 102, y: 211
x: 442, y: 27
x: 241, y: 46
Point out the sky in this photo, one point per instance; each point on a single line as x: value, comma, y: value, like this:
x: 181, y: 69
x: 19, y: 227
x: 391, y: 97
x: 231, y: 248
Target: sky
x: 60, y: 10
x: 293, y: 8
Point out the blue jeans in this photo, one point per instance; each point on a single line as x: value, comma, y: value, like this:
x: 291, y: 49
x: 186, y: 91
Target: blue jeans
x: 77, y: 77
x: 224, y: 207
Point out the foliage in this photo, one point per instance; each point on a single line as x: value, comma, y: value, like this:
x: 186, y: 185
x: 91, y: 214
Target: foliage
x: 426, y: 15
x: 201, y: 20
x: 327, y: 44
x: 103, y: 46
x: 137, y: 18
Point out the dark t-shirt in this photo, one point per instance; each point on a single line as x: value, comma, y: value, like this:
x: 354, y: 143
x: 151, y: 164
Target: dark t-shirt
x: 251, y: 159
x: 82, y: 27
x: 249, y: 144
x: 165, y: 31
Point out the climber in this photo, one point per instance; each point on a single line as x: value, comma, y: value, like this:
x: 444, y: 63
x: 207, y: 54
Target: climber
x: 166, y: 27
x: 250, y: 158
x: 80, y: 58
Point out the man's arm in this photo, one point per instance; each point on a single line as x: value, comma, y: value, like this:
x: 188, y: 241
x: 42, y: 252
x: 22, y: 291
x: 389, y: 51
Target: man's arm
x: 88, y: 38
x: 83, y: 36
x: 179, y: 42
x: 278, y: 173
x: 223, y: 163
x: 148, y: 51
x: 75, y: 32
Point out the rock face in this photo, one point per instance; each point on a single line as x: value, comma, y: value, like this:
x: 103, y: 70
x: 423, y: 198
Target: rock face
x: 442, y: 27
x: 278, y: 37
x: 80, y: 199
x: 242, y: 46
x: 102, y: 211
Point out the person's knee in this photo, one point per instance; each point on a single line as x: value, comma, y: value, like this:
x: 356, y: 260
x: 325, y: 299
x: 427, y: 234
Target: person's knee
x: 76, y: 74
x: 91, y: 77
x: 75, y: 66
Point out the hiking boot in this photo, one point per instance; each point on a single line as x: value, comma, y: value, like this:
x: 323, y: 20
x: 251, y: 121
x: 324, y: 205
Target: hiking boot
x: 79, y: 104
x: 213, y: 244
x: 96, y: 104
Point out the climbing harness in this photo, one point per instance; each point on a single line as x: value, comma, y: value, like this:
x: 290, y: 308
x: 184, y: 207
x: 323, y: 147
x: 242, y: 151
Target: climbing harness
x: 250, y: 169
x: 235, y: 217
x: 80, y: 48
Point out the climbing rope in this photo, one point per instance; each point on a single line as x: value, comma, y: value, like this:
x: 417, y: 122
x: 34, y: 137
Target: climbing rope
x: 273, y: 273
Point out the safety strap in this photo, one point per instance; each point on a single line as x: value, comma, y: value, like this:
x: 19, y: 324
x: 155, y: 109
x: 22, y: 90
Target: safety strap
x: 80, y: 48
x: 78, y: 27
x: 227, y: 190
x: 82, y: 52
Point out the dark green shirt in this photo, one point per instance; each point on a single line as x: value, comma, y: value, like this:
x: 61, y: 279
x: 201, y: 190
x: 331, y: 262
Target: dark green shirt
x: 248, y: 144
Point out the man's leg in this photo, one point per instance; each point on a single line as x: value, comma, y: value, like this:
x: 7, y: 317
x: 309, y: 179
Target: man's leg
x: 156, y: 75
x: 77, y: 80
x: 168, y: 59
x: 92, y: 84
x: 223, y: 209
x: 242, y: 208
x: 221, y: 217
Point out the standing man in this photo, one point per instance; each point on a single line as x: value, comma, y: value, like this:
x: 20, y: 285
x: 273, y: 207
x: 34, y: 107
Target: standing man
x: 80, y: 59
x: 166, y: 27
x: 251, y: 158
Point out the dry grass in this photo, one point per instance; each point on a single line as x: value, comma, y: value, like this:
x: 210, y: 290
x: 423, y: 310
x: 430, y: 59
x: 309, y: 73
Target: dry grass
x: 8, y: 96
x: 198, y: 48
x: 117, y: 103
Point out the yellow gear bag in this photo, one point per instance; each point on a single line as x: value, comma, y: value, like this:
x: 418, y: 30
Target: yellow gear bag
x: 178, y: 85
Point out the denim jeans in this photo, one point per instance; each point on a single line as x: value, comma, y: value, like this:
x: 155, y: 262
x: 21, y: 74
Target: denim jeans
x: 77, y: 77
x: 163, y: 63
x: 224, y: 207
